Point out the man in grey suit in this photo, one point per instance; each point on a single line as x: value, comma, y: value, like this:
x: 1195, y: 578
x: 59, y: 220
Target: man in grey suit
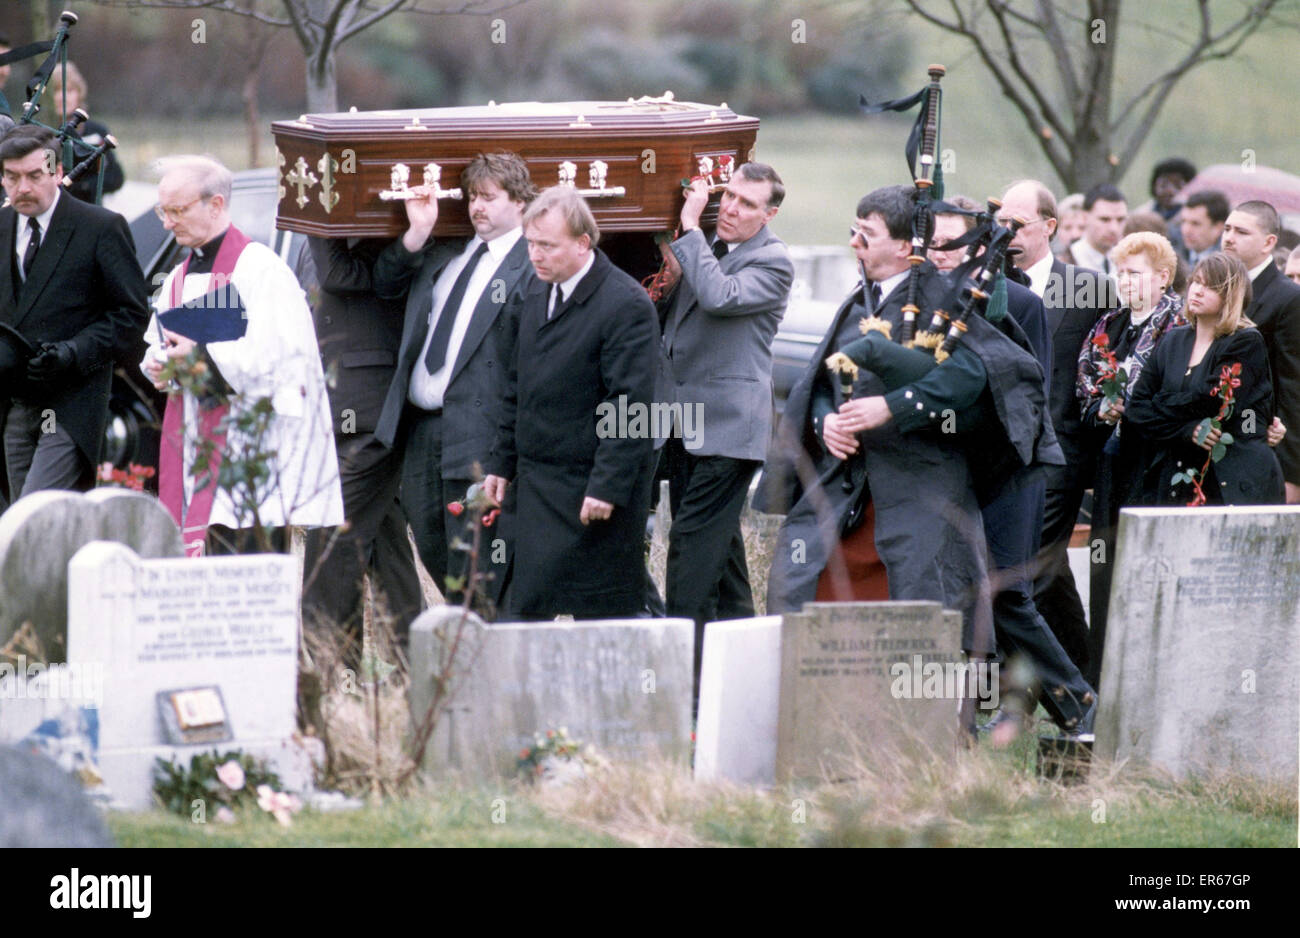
x: 716, y: 376
x: 441, y: 406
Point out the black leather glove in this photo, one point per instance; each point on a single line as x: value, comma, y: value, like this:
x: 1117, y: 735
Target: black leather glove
x: 54, y: 360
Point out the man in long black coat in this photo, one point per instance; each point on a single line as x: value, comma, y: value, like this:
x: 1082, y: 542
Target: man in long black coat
x: 575, y: 437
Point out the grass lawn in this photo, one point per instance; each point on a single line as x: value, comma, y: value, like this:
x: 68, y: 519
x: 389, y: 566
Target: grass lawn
x: 985, y: 798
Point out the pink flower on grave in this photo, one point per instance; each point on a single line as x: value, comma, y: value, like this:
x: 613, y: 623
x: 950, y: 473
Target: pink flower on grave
x: 231, y: 775
x: 280, y: 805
x: 225, y: 815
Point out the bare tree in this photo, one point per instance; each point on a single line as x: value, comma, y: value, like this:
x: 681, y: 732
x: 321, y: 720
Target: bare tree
x: 1056, y: 63
x: 321, y: 26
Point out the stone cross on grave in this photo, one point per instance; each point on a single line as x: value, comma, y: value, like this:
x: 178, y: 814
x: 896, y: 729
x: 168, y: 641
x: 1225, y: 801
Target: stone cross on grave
x: 301, y: 179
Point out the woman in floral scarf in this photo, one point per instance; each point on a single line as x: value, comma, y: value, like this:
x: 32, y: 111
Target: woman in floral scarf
x: 1110, y: 364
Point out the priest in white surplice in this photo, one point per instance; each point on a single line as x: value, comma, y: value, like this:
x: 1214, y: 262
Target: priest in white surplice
x: 241, y: 306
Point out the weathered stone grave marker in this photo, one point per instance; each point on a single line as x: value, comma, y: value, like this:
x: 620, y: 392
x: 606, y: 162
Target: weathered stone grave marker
x: 622, y: 685
x: 867, y: 683
x: 1202, y: 664
x: 40, y: 533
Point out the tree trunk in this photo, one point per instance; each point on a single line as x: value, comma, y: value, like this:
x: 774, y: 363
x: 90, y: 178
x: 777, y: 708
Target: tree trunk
x: 253, y: 117
x: 322, y: 86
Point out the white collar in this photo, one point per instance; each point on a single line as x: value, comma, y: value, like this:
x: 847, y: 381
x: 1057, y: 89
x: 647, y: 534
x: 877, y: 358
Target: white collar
x: 501, y: 245
x: 889, y: 284
x: 1039, y: 273
x: 1256, y: 271
x: 43, y: 219
x: 571, y: 284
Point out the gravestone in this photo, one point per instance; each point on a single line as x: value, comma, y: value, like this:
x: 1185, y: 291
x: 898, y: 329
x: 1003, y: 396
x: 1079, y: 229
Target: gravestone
x: 622, y: 685
x: 1202, y: 664
x: 864, y: 684
x: 40, y: 533
x: 145, y: 627
x: 740, y: 686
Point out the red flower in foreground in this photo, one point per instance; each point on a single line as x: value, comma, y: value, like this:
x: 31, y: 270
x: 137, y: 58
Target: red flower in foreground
x: 1101, y: 341
x: 456, y: 508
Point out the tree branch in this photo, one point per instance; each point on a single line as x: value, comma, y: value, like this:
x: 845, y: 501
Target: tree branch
x: 1056, y: 38
x: 1160, y: 87
x: 1057, y: 154
x: 1049, y: 113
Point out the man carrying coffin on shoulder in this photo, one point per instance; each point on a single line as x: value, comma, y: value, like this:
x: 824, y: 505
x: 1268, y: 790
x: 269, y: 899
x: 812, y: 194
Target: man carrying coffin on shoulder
x: 233, y: 317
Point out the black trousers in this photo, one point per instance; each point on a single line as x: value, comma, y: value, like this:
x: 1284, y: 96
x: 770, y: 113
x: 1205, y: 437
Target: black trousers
x: 707, y: 577
x: 1012, y: 525
x: 441, y: 537
x: 1055, y: 594
x: 374, y: 540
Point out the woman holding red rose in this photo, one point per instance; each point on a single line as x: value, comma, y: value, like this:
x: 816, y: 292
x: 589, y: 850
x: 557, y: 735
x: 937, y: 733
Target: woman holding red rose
x: 1189, y: 380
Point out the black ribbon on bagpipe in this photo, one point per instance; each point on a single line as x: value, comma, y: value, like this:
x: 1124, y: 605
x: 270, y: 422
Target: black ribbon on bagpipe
x: 900, y: 105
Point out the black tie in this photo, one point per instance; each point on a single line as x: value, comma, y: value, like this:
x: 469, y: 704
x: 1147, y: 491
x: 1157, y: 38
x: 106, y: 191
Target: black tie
x: 559, y: 301
x: 875, y: 297
x: 719, y: 248
x: 33, y: 245
x: 442, y: 332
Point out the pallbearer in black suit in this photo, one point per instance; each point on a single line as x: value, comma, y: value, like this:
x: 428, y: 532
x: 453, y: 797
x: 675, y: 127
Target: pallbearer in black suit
x: 580, y: 373
x: 440, y: 407
x: 71, y: 287
x: 1250, y: 235
x: 359, y: 334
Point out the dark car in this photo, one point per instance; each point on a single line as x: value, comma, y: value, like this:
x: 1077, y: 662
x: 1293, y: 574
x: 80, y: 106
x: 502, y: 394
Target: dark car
x: 135, y: 407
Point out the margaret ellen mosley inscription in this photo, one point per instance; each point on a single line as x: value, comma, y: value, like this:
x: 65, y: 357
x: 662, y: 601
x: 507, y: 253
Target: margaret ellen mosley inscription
x: 196, y: 611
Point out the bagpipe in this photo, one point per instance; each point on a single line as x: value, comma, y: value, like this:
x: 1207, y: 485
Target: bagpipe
x: 978, y: 283
x: 76, y: 157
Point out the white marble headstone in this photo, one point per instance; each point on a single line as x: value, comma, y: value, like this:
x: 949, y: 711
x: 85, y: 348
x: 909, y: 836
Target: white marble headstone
x: 740, y: 687
x: 161, y: 625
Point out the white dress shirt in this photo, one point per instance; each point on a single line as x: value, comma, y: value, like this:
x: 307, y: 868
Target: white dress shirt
x: 427, y: 390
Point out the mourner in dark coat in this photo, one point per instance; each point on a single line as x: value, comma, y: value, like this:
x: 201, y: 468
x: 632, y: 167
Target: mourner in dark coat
x: 1176, y: 393
x: 73, y: 289
x: 1073, y: 299
x: 575, y: 442
x: 359, y: 334
x: 1012, y: 526
x: 882, y: 460
x: 1250, y: 234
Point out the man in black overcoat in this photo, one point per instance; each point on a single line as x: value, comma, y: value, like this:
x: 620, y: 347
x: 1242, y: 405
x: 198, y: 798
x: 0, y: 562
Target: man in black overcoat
x: 71, y: 286
x: 1073, y: 299
x: 575, y: 439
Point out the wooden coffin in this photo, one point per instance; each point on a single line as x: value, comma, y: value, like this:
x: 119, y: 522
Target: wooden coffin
x: 340, y: 173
